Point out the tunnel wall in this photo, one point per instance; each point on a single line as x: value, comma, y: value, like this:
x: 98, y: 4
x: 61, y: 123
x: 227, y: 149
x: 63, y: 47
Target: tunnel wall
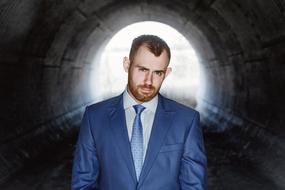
x: 42, y: 95
x: 48, y: 48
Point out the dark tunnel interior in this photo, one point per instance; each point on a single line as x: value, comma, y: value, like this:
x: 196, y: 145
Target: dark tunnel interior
x: 46, y: 53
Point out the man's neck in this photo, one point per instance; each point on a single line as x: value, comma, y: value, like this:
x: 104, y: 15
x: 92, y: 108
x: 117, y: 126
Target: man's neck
x: 130, y: 93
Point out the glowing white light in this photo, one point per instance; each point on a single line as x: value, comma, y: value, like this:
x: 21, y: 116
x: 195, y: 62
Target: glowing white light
x: 182, y: 84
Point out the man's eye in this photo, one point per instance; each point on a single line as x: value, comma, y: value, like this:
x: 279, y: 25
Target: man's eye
x: 143, y: 69
x: 158, y: 73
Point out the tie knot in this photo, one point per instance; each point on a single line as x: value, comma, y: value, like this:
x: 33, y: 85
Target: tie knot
x: 138, y: 108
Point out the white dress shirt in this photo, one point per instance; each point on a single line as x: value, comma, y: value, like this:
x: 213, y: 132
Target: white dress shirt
x: 147, y: 117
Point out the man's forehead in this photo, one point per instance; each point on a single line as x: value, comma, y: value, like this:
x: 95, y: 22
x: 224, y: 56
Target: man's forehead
x: 150, y: 66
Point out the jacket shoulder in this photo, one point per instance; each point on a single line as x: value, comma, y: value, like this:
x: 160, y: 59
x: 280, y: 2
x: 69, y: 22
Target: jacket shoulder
x: 105, y: 104
x: 178, y: 107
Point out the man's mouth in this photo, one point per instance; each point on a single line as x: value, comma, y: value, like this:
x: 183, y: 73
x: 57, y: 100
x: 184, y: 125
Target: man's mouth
x: 146, y: 89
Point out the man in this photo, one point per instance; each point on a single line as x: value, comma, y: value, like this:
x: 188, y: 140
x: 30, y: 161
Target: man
x: 141, y: 140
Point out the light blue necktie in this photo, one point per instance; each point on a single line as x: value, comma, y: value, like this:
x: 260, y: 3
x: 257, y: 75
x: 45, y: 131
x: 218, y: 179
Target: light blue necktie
x: 137, y: 140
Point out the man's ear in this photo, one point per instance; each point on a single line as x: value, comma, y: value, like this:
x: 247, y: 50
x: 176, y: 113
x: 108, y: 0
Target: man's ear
x: 126, y: 64
x: 168, y: 71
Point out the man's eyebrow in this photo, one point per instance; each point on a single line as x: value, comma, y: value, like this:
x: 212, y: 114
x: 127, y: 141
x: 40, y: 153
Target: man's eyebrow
x: 159, y: 71
x: 163, y: 71
x: 142, y: 67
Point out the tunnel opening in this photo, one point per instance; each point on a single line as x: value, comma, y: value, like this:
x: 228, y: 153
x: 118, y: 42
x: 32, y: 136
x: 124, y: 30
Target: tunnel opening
x: 109, y: 78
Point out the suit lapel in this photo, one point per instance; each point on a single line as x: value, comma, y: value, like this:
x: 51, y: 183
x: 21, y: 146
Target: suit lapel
x: 162, y: 122
x: 118, y: 126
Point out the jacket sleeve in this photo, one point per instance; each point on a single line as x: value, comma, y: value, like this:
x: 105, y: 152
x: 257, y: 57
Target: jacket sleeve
x: 193, y: 171
x: 85, y: 163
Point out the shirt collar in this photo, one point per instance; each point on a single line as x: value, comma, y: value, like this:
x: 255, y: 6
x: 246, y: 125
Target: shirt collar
x: 130, y: 102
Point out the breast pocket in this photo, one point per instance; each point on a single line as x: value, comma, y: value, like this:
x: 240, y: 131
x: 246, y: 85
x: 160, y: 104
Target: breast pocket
x: 172, y: 147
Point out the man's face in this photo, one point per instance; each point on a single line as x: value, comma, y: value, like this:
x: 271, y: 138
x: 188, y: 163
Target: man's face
x: 146, y: 74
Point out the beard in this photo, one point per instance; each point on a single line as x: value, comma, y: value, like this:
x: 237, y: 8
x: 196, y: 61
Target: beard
x: 143, y: 93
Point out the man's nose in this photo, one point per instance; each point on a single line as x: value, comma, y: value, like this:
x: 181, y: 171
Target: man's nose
x: 148, y: 78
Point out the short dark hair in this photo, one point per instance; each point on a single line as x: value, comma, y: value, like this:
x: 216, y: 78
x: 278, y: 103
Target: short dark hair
x: 155, y: 44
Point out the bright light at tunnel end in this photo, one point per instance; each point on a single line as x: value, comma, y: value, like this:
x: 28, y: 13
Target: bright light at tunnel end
x: 109, y: 78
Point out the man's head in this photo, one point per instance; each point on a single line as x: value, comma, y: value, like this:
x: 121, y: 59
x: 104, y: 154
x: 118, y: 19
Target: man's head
x: 147, y: 67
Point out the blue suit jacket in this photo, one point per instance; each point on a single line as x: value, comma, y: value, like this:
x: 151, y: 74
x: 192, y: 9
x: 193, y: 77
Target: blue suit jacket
x: 175, y: 157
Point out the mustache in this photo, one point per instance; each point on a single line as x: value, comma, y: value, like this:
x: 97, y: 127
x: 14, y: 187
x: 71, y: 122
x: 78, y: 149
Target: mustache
x: 147, y: 86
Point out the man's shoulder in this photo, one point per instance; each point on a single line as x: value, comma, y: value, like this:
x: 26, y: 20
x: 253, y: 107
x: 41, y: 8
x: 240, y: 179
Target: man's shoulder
x: 104, y: 104
x: 178, y: 107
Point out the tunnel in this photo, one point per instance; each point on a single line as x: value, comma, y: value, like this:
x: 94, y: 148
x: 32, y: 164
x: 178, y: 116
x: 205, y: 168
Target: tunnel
x: 47, y: 52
